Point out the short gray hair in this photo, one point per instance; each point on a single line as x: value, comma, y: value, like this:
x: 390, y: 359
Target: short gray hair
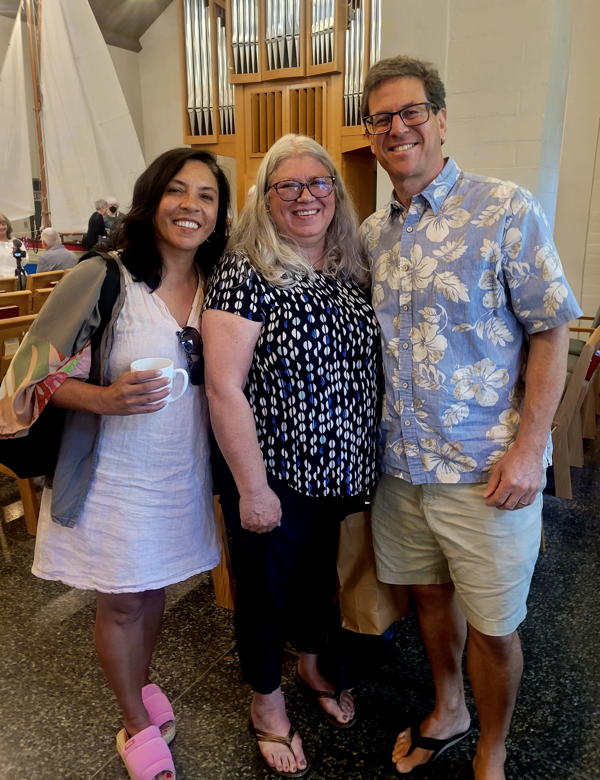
x: 100, y: 204
x: 401, y: 67
x: 277, y: 258
x: 50, y: 237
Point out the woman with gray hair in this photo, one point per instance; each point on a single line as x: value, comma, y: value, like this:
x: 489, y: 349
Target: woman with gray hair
x: 96, y: 227
x: 292, y: 349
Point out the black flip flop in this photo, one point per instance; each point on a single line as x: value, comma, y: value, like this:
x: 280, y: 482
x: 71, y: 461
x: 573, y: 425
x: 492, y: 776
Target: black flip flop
x: 439, y: 746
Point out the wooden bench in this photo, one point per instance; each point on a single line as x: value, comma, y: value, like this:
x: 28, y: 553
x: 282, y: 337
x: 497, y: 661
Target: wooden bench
x: 11, y: 332
x: 21, y: 298
x: 45, y: 279
x: 8, y: 284
x: 39, y: 298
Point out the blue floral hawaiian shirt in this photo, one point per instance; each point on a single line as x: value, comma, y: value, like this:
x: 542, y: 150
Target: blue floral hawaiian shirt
x: 459, y: 280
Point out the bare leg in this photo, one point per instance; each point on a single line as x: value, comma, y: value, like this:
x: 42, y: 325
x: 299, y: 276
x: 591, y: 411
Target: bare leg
x: 267, y: 712
x: 153, y: 613
x: 309, y: 671
x: 498, y: 659
x: 126, y: 629
x: 443, y: 630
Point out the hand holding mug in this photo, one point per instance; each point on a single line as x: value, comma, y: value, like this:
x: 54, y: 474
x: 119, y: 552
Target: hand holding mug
x: 167, y: 370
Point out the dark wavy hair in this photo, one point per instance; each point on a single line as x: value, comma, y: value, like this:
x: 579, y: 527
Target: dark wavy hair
x: 137, y: 235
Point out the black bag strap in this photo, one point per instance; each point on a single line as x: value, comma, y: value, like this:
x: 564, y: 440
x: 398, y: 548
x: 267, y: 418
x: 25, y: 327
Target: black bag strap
x: 109, y: 293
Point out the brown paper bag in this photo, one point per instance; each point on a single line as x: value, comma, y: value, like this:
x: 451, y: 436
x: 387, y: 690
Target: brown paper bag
x: 367, y: 605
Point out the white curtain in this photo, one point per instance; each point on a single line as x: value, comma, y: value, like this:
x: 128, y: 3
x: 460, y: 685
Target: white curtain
x: 16, y: 189
x: 91, y: 145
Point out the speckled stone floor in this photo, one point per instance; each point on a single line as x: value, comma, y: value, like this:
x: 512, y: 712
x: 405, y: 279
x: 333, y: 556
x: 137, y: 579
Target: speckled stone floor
x: 59, y: 718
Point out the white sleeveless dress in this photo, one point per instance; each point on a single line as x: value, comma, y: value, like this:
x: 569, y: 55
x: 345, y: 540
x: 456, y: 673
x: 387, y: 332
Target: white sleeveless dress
x: 148, y: 519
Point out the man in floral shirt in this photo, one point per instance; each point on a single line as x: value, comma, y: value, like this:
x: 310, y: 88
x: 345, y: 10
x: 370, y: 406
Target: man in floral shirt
x: 473, y: 308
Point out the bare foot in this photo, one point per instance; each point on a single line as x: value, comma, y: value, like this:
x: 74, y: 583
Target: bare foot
x: 308, y: 672
x: 441, y: 728
x: 267, y: 713
x: 489, y: 766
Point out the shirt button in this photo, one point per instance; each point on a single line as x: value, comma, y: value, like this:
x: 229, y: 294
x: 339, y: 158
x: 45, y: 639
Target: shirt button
x: 405, y: 346
x: 404, y: 384
x: 409, y: 229
x: 406, y: 422
x: 405, y: 307
x: 405, y: 267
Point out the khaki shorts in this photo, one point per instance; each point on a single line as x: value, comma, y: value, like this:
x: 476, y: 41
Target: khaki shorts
x: 432, y: 534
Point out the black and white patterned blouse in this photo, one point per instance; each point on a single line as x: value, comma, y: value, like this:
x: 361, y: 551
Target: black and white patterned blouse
x: 313, y: 382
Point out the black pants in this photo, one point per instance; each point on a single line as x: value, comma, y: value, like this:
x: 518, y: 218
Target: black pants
x: 286, y: 580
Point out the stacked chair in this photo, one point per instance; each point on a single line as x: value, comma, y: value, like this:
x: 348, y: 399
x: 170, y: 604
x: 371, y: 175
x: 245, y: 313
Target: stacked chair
x: 578, y: 406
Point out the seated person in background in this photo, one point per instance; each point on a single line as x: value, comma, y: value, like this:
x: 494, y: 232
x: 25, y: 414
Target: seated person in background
x: 7, y: 261
x: 113, y: 215
x: 96, y: 224
x: 56, y: 257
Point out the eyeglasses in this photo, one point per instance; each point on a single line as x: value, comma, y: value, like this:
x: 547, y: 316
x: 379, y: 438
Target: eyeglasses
x: 417, y: 114
x: 290, y: 189
x: 190, y: 340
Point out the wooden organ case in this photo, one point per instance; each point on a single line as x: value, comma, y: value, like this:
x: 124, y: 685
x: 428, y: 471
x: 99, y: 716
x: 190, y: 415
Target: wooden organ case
x: 254, y: 70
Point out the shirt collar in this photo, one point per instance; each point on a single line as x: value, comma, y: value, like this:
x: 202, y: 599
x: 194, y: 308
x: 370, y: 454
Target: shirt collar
x: 436, y: 192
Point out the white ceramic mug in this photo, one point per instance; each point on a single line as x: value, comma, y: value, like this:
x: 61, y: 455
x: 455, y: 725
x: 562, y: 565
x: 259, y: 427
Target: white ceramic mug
x: 167, y: 369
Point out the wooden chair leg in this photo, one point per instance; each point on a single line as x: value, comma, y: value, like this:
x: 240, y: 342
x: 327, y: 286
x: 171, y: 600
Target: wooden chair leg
x: 590, y: 408
x: 31, y: 504
x: 221, y: 574
x: 562, y: 467
x: 575, y: 440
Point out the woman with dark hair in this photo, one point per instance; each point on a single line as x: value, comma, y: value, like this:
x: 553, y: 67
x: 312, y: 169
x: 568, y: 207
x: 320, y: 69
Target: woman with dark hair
x: 130, y: 508
x: 292, y: 350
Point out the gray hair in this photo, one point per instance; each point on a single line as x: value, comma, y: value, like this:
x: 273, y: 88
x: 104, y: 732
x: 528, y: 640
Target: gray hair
x: 50, y: 237
x: 111, y: 200
x: 100, y: 204
x: 278, y: 258
x: 400, y: 67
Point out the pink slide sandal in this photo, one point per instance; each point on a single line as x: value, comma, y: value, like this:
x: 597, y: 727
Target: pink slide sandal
x: 146, y: 754
x: 160, y: 711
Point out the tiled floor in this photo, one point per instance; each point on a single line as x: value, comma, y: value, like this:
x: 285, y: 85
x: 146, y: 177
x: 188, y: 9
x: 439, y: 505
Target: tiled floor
x: 59, y: 719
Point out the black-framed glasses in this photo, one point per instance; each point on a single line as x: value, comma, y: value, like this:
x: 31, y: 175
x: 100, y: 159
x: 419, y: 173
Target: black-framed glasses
x: 414, y: 115
x: 291, y: 189
x: 190, y: 340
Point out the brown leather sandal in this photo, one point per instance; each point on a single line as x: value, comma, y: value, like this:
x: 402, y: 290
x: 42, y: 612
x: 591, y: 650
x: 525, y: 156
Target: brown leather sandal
x: 315, y: 694
x: 264, y: 736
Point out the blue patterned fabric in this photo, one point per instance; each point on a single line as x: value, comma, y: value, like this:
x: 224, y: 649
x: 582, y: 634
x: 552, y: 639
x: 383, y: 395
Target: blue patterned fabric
x: 459, y: 280
x: 313, y: 382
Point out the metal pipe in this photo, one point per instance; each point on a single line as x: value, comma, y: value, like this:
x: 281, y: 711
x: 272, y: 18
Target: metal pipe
x: 254, y: 13
x: 196, y: 56
x: 189, y: 66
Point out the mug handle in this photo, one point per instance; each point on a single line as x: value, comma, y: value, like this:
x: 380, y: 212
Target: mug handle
x: 184, y: 376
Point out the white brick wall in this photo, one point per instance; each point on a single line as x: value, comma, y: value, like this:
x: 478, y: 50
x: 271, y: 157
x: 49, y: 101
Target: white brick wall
x: 497, y: 60
x: 578, y: 200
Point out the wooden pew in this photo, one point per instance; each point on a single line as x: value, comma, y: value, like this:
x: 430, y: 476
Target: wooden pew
x: 39, y: 298
x: 8, y: 284
x: 44, y: 279
x: 11, y: 333
x: 21, y: 298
